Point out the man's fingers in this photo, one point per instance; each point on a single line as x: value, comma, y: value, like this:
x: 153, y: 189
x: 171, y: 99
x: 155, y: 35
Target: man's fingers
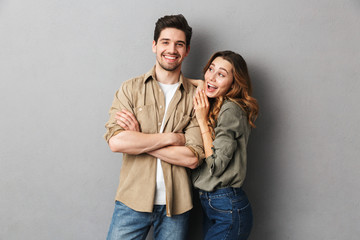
x: 122, y: 124
x: 127, y: 120
x: 131, y: 116
x: 125, y: 117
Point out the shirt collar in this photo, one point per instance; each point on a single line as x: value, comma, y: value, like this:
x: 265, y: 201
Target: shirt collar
x: 183, y: 81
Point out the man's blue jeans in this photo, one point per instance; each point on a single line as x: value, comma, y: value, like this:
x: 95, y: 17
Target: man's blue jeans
x: 128, y: 224
x: 227, y: 214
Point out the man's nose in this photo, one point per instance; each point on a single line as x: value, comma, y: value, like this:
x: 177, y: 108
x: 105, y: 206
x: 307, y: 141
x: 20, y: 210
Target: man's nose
x: 172, y: 48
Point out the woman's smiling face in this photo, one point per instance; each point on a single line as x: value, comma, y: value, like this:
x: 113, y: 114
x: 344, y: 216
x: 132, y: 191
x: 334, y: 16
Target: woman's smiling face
x: 218, y: 78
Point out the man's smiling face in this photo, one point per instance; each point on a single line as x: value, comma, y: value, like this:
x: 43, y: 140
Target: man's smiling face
x: 170, y: 49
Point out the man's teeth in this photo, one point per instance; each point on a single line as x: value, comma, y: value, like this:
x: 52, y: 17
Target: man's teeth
x: 172, y: 58
x: 211, y: 85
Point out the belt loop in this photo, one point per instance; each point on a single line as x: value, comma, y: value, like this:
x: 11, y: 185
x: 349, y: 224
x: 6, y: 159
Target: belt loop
x: 204, y: 194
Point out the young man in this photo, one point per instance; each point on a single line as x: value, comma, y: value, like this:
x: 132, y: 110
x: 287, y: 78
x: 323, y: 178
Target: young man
x: 152, y: 192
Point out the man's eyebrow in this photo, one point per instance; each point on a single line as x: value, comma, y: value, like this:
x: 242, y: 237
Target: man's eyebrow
x: 168, y: 39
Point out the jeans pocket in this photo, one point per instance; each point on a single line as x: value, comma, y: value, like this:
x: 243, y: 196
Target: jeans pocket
x: 221, y: 204
x: 245, y: 221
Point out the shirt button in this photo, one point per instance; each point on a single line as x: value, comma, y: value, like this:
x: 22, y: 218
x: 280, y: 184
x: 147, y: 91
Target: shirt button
x: 159, y: 123
x: 160, y: 106
x: 140, y: 109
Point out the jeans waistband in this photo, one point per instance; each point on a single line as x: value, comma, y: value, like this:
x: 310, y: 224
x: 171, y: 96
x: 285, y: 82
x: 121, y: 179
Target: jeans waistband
x: 221, y: 191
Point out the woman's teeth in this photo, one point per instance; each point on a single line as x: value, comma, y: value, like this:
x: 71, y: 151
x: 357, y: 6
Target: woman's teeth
x: 212, y: 86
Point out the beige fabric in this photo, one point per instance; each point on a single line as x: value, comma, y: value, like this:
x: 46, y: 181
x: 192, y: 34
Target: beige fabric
x: 144, y: 98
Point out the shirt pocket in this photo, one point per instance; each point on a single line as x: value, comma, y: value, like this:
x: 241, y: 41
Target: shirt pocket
x: 146, y: 116
x: 181, y: 120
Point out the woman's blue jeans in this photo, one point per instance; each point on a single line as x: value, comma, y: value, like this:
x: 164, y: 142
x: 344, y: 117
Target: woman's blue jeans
x: 128, y: 224
x: 227, y: 214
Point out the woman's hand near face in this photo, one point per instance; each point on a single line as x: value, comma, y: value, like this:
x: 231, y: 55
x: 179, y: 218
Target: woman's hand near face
x: 201, y: 106
x: 127, y: 121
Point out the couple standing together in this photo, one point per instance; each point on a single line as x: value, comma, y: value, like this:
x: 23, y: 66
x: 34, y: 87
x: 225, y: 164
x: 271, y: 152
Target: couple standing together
x: 174, y: 136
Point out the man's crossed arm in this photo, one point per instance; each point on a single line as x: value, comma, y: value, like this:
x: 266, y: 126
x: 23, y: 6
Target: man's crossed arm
x: 169, y: 147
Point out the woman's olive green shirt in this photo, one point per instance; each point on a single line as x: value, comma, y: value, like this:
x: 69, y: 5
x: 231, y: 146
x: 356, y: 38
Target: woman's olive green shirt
x: 226, y: 167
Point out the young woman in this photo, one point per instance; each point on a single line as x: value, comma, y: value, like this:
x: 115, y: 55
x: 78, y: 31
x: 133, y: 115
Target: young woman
x: 226, y: 113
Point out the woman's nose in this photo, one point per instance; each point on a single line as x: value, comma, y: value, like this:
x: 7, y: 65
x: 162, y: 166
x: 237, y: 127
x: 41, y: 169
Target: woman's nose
x: 212, y: 77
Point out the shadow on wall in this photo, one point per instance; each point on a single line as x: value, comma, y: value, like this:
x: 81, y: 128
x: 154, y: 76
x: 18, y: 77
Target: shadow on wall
x: 261, y: 177
x: 200, y: 53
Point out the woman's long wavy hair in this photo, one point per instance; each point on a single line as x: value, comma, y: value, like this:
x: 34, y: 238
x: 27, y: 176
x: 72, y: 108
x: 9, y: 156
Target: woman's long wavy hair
x: 239, y: 92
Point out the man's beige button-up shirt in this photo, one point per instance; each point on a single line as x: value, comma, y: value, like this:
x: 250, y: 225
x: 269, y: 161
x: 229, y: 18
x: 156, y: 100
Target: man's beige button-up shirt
x: 144, y: 98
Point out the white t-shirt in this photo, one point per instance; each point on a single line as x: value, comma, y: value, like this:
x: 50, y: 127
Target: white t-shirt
x: 160, y: 195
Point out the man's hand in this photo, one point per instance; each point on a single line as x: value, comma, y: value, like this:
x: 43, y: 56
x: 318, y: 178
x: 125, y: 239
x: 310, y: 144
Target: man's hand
x: 178, y: 139
x: 127, y: 121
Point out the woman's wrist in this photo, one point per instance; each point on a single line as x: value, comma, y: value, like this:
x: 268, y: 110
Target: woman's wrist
x: 202, y: 123
x: 204, y: 129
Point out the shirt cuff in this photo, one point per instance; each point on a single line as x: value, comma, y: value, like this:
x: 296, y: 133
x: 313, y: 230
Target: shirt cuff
x: 210, y: 161
x: 196, y: 155
x: 109, y: 135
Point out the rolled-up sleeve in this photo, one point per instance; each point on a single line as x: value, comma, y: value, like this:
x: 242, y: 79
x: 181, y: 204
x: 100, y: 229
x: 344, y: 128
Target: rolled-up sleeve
x: 122, y: 100
x: 194, y: 140
x: 229, y: 127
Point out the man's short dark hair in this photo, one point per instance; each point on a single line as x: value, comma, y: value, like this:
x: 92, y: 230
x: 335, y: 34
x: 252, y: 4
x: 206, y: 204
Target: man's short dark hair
x: 173, y: 21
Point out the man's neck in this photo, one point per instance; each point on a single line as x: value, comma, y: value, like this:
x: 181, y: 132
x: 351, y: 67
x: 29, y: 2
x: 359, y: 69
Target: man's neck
x: 167, y: 77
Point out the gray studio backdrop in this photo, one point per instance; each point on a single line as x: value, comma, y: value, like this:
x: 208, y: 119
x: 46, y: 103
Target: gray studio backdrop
x: 61, y: 62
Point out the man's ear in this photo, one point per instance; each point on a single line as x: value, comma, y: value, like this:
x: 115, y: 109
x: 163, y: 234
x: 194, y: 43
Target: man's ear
x: 154, y: 46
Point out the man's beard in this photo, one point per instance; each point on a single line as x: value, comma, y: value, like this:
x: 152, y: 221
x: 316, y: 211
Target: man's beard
x: 169, y: 68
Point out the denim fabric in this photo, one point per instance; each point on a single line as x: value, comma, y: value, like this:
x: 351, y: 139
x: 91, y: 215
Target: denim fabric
x: 128, y: 224
x: 227, y: 214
